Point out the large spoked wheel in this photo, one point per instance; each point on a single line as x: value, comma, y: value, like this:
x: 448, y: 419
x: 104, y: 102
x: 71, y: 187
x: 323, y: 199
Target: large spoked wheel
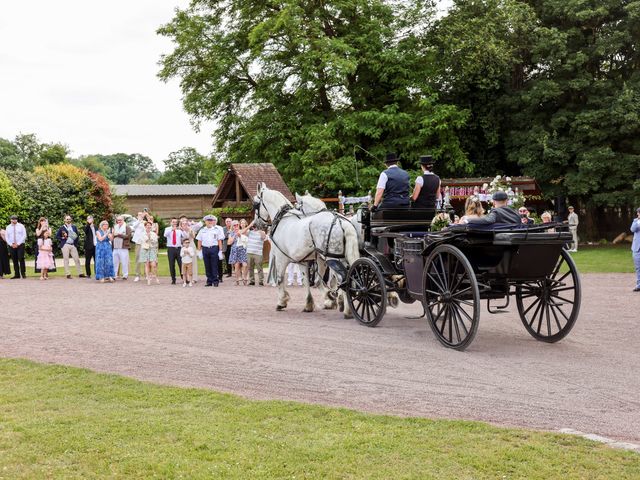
x: 549, y: 308
x: 451, y: 297
x: 366, y: 292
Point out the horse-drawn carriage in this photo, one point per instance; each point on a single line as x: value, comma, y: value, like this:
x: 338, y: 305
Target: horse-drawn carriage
x: 452, y: 271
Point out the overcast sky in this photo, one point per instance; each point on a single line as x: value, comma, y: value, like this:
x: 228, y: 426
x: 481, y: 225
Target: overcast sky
x: 84, y: 73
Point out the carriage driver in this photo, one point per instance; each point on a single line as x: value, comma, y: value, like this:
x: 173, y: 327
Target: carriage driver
x: 427, y: 190
x: 392, y: 190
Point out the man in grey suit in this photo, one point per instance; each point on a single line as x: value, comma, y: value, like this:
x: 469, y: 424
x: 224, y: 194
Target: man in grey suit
x: 635, y: 248
x: 500, y: 213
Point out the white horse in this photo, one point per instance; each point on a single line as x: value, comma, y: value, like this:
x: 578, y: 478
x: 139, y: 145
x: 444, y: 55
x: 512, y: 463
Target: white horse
x: 300, y: 238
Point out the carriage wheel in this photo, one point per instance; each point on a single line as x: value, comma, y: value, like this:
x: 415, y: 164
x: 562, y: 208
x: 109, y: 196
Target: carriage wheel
x: 549, y: 308
x: 366, y: 292
x: 451, y: 297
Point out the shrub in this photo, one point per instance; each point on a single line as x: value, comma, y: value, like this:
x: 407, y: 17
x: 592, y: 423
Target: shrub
x: 9, y: 200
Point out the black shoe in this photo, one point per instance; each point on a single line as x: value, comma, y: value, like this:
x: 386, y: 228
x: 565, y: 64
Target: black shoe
x: 215, y: 284
x: 88, y: 276
x: 68, y: 276
x: 637, y: 289
x: 252, y: 283
x: 261, y: 284
x: 82, y: 275
x: 207, y: 285
x: 173, y: 282
x: 220, y: 280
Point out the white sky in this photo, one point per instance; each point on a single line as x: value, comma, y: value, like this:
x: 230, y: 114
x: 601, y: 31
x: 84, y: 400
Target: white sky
x: 84, y: 73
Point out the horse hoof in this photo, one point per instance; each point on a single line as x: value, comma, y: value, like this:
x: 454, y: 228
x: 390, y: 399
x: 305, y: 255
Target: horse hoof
x: 348, y: 316
x: 394, y: 300
x: 328, y: 305
x: 307, y: 309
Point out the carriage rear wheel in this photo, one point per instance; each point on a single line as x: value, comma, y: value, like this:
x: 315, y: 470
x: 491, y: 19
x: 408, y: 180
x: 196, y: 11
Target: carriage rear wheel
x: 366, y: 292
x: 549, y: 307
x: 451, y: 297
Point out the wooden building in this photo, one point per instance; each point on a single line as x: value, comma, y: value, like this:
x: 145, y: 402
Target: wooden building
x: 239, y: 184
x: 167, y: 201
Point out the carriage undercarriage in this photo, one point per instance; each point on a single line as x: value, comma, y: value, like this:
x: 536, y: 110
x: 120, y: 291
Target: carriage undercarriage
x: 453, y: 273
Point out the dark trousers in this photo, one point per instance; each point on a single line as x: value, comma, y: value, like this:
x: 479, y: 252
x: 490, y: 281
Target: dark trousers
x: 174, y: 256
x: 19, y: 266
x: 210, y: 257
x: 89, y: 254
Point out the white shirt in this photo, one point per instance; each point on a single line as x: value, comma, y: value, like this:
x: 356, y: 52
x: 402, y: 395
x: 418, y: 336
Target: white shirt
x: 16, y: 234
x: 168, y: 233
x: 119, y: 230
x: 138, y: 231
x: 573, y: 219
x: 187, y: 254
x: 420, y: 180
x: 382, y: 179
x: 209, y: 236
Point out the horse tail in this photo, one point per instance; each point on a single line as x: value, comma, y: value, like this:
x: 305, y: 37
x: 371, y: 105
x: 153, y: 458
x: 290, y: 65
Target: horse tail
x: 351, y: 245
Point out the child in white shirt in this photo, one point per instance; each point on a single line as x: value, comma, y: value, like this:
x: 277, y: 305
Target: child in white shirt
x: 187, y: 253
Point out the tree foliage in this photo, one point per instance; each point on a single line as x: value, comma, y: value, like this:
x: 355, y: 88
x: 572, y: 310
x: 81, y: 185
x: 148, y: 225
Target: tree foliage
x: 303, y: 84
x: 187, y: 166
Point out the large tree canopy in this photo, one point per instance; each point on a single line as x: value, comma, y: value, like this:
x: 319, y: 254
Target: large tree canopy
x: 304, y: 84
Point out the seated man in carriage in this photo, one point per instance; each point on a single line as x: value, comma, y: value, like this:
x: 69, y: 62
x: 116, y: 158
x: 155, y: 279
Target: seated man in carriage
x: 392, y: 190
x: 427, y: 192
x: 500, y: 213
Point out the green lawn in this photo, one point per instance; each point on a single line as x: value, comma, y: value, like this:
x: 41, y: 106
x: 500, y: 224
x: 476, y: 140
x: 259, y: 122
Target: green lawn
x: 604, y: 259
x: 62, y: 422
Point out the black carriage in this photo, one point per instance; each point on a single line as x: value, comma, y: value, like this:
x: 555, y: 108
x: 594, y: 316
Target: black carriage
x: 451, y: 272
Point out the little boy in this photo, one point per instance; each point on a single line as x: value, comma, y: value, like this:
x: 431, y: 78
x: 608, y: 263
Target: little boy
x: 187, y: 253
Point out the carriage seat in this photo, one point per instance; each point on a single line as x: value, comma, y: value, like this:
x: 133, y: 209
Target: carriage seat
x: 531, y: 237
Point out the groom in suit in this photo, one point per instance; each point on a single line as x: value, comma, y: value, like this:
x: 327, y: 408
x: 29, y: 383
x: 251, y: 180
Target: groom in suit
x: 89, y: 245
x: 68, y: 240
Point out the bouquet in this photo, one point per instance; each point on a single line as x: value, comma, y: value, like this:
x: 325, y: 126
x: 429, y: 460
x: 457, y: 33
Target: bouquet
x: 500, y: 183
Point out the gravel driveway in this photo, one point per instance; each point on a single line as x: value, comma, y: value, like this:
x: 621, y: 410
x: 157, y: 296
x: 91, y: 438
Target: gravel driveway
x: 232, y: 339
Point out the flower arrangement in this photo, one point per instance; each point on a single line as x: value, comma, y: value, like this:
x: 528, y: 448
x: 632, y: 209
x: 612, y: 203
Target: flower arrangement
x: 500, y: 183
x: 440, y: 221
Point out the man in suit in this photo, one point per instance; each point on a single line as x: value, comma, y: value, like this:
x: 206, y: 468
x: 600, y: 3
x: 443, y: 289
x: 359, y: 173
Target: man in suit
x: 16, y: 236
x: 500, y: 213
x: 573, y: 221
x: 635, y: 248
x: 174, y: 243
x: 89, y: 245
x: 392, y: 190
x: 68, y: 241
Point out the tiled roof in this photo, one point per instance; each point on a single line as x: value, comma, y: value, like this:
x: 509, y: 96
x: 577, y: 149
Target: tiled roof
x: 163, y: 190
x: 249, y: 175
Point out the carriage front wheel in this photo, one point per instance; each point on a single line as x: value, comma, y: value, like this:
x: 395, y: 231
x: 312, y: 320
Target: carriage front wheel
x: 549, y: 307
x: 366, y: 292
x: 451, y: 297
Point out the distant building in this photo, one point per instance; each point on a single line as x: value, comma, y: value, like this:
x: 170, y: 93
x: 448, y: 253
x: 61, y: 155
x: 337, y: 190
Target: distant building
x: 167, y: 201
x: 239, y: 184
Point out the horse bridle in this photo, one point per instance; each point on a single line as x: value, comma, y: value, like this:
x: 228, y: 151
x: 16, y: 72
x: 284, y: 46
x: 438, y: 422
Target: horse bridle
x: 256, y: 207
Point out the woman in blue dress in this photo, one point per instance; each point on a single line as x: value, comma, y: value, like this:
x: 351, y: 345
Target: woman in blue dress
x: 104, y: 254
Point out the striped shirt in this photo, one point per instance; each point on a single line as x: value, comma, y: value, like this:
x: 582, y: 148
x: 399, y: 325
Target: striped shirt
x: 256, y: 242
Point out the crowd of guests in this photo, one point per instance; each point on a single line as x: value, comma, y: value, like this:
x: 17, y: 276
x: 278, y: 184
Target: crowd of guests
x: 234, y: 250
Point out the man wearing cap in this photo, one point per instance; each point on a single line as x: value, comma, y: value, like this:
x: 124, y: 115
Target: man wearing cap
x: 392, y: 190
x: 635, y: 248
x: 500, y: 213
x: 210, y: 239
x: 16, y: 235
x: 427, y: 192
x: 573, y: 221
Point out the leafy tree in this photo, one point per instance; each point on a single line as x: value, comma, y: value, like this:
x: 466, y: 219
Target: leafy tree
x: 9, y: 200
x: 303, y: 84
x: 9, y: 155
x: 576, y: 121
x: 29, y: 150
x: 91, y: 163
x: 122, y: 168
x: 187, y: 166
x: 53, y: 153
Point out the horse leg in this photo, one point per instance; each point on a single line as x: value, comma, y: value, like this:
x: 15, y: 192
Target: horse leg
x: 283, y: 295
x: 328, y: 302
x: 347, y: 309
x: 309, y: 305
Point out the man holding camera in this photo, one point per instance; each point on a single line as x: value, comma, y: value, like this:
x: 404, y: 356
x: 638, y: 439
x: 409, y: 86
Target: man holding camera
x: 635, y: 248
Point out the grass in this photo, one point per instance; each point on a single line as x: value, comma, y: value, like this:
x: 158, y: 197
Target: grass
x: 604, y: 259
x: 62, y: 422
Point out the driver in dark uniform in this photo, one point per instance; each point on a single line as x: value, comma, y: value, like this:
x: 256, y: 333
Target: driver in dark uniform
x: 392, y: 190
x: 500, y: 213
x: 427, y: 190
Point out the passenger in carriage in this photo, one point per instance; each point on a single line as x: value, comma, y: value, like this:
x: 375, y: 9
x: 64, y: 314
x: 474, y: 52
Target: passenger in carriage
x: 500, y: 213
x: 472, y: 209
x: 427, y: 192
x: 392, y: 190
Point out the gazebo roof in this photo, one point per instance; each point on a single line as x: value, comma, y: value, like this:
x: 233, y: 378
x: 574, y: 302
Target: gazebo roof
x: 239, y: 183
